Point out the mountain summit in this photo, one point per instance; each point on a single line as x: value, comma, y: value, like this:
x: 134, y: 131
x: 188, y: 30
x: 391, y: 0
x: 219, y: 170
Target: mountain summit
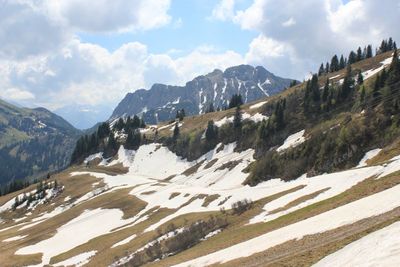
x: 161, y: 102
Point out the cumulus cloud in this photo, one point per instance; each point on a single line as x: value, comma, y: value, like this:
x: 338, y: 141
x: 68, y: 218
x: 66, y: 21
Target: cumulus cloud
x: 111, y: 16
x: 87, y: 75
x: 25, y: 30
x: 224, y: 10
x: 316, y: 29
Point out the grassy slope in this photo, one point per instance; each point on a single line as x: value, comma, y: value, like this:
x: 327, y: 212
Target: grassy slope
x: 237, y: 231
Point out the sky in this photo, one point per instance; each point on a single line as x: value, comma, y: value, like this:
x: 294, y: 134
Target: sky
x: 79, y: 58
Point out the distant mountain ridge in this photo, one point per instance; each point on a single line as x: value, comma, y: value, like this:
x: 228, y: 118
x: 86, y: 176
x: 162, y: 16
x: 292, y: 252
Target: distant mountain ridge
x: 33, y: 142
x: 161, y: 101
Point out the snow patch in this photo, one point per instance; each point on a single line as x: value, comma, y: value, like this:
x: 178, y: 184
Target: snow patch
x: 78, y: 260
x: 258, y: 105
x: 76, y: 232
x: 369, y: 155
x: 14, y: 238
x: 292, y: 141
x: 360, y: 209
x: 380, y: 248
x: 124, y: 241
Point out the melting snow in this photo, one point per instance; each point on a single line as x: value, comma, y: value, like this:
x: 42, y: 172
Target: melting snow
x: 76, y: 232
x: 380, y: 248
x: 15, y: 238
x: 258, y: 105
x: 124, y: 241
x: 78, y: 260
x: 292, y: 141
x: 369, y: 155
x: 366, y: 207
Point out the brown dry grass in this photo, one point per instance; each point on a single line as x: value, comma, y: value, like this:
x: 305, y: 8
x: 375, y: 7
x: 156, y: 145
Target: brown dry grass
x: 238, y: 231
x: 299, y: 200
x: 210, y: 199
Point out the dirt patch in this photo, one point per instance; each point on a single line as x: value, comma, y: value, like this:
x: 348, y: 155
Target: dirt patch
x: 169, y: 178
x: 148, y: 192
x: 210, y: 199
x: 210, y: 163
x: 193, y: 169
x: 229, y: 165
x: 173, y: 195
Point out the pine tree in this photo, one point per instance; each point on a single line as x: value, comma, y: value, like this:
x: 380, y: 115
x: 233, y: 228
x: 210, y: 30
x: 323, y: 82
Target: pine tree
x: 133, y: 139
x: 352, y: 58
x: 347, y: 83
x: 342, y: 63
x: 237, y: 118
x: 180, y: 114
x: 211, y: 131
x: 321, y: 69
x: 176, y: 132
x: 369, y: 51
x: 236, y: 101
x: 112, y: 145
x: 390, y: 44
x: 327, y: 67
x: 210, y: 108
x: 334, y: 64
x: 359, y: 54
x: 326, y: 91
x: 360, y: 78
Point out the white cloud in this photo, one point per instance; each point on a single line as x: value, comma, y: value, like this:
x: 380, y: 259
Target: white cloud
x: 88, y: 75
x: 224, y: 10
x: 111, y: 16
x: 317, y: 29
x: 289, y: 22
x: 16, y: 94
x: 25, y: 30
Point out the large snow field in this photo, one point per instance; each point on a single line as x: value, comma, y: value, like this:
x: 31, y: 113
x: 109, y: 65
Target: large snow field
x: 380, y: 248
x: 364, y: 208
x: 226, y: 183
x: 217, y: 179
x: 88, y: 225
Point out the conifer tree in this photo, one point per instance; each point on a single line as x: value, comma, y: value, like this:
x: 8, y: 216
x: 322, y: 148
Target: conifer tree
x: 347, y: 83
x: 360, y: 78
x: 176, y: 132
x: 334, y: 64
x: 325, y: 93
x: 210, y: 108
x: 352, y: 58
x: 342, y: 63
x: 237, y: 118
x: 321, y: 69
x: 359, y: 54
x: 236, y: 101
x: 369, y: 51
x: 211, y: 131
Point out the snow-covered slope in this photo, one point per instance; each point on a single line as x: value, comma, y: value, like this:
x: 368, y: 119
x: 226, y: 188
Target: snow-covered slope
x: 218, y: 173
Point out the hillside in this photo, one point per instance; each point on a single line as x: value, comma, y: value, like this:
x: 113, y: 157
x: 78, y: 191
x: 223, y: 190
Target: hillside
x: 161, y: 102
x: 310, y: 176
x: 25, y: 138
